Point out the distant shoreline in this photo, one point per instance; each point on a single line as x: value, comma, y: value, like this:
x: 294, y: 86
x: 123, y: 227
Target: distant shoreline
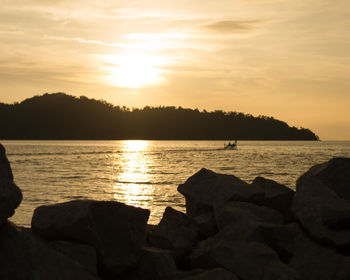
x: 60, y: 116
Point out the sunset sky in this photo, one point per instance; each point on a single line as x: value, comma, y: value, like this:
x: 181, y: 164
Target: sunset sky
x: 289, y: 59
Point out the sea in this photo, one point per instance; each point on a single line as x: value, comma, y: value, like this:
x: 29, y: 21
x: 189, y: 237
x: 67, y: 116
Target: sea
x: 147, y: 173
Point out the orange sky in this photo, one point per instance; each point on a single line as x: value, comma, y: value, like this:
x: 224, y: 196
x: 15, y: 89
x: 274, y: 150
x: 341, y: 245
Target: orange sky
x: 284, y: 58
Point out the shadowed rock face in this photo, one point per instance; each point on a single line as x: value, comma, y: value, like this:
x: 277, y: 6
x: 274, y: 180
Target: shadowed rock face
x: 10, y: 194
x: 115, y: 230
x: 277, y: 197
x: 207, y: 189
x: 322, y: 202
x: 26, y: 257
x: 5, y: 168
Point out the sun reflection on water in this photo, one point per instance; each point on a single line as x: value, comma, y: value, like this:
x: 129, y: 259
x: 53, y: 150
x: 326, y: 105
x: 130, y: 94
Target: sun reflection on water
x: 133, y: 183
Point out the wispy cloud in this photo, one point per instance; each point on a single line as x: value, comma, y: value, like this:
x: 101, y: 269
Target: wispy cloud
x: 233, y: 26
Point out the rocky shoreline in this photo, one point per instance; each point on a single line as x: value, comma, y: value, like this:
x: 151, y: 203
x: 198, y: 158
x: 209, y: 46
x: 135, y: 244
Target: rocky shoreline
x: 231, y: 230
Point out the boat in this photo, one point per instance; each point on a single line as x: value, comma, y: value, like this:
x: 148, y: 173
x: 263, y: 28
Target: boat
x: 231, y: 146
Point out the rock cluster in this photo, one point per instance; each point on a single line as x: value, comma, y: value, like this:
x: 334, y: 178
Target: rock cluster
x: 231, y: 230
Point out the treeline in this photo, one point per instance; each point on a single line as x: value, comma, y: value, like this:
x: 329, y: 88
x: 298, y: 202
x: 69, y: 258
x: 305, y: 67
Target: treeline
x: 61, y: 116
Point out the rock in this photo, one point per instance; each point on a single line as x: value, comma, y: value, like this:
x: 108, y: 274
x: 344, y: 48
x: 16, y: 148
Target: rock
x: 252, y: 260
x: 201, y: 274
x: 207, y: 190
x: 277, y: 197
x: 335, y: 174
x: 10, y: 194
x: 115, y: 230
x: 249, y: 248
x: 176, y: 232
x: 155, y: 263
x: 84, y: 255
x: 322, y: 204
x: 5, y: 168
x: 206, y: 225
x: 316, y: 262
x: 234, y: 211
x: 214, y: 274
x: 25, y: 257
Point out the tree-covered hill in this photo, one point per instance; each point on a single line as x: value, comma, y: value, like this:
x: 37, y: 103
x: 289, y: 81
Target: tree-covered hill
x: 61, y: 116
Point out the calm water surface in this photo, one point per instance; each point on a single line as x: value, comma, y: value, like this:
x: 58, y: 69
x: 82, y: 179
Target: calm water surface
x: 146, y: 173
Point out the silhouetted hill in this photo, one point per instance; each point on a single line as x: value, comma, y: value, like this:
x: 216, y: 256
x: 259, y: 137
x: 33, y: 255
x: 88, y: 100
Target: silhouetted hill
x: 61, y: 116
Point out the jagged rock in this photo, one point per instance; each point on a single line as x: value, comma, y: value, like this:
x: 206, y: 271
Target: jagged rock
x: 154, y: 264
x: 115, y: 230
x: 202, y: 274
x: 83, y: 254
x: 10, y: 194
x: 206, y: 225
x: 207, y: 189
x: 322, y: 202
x: 234, y: 211
x: 277, y: 196
x: 24, y: 257
x: 249, y: 248
x: 5, y: 168
x: 316, y: 262
x: 175, y: 232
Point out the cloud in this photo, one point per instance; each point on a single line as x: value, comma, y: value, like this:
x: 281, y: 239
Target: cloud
x: 233, y: 26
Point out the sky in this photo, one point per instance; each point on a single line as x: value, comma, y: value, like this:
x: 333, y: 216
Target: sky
x: 288, y: 59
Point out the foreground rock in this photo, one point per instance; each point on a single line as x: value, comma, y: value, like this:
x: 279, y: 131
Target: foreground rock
x: 25, y: 257
x: 276, y: 196
x: 10, y: 194
x: 316, y: 262
x: 175, y: 232
x: 84, y: 255
x: 115, y: 230
x: 322, y: 202
x: 250, y: 243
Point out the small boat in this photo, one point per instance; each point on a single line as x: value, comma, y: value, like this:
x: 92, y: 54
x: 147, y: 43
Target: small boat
x: 231, y: 146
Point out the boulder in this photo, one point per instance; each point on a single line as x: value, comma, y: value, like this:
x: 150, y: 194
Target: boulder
x: 115, y: 230
x: 5, y: 168
x: 316, y: 262
x: 207, y: 190
x: 234, y: 211
x: 201, y: 274
x: 25, y: 257
x: 10, y: 194
x: 175, y: 232
x: 248, y: 247
x: 322, y: 203
x: 277, y: 197
x: 83, y: 254
x: 154, y: 264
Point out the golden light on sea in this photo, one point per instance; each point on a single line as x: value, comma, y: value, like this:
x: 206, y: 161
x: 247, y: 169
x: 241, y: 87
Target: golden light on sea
x: 133, y: 183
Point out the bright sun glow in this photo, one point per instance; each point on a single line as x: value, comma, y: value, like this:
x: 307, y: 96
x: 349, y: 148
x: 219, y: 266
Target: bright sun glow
x: 134, y: 70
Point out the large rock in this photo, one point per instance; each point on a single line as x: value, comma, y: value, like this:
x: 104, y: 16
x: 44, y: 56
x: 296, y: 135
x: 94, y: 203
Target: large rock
x: 234, y: 211
x: 277, y: 196
x: 247, y: 246
x: 207, y: 190
x: 115, y: 230
x: 322, y: 202
x: 5, y: 168
x: 83, y: 254
x: 154, y: 264
x: 25, y: 257
x: 10, y: 194
x: 201, y: 274
x: 175, y: 232
x: 316, y: 262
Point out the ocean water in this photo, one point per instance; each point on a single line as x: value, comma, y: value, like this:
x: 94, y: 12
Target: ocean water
x: 146, y: 173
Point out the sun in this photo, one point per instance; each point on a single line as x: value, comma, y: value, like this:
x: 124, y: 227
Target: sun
x: 134, y: 70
